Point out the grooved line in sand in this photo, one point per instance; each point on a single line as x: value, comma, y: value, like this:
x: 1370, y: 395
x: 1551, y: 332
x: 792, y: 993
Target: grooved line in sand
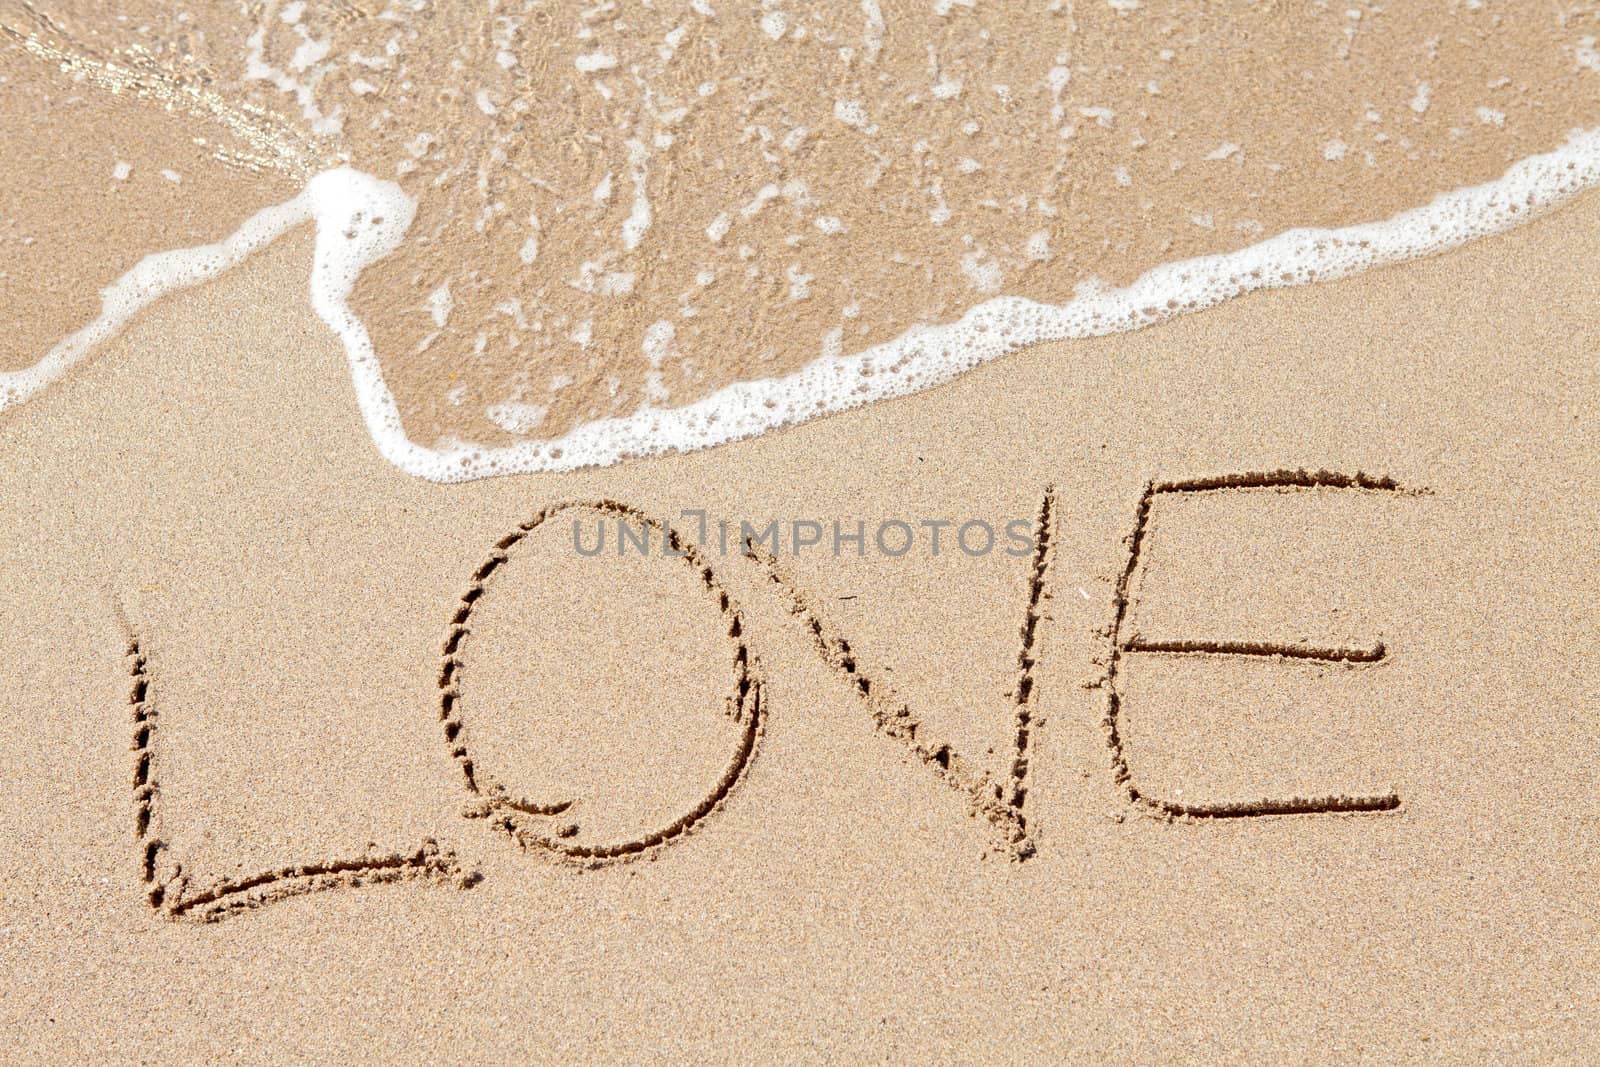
x: 513, y: 815
x: 168, y: 892
x: 1281, y: 481
x: 1001, y: 803
x: 1022, y: 696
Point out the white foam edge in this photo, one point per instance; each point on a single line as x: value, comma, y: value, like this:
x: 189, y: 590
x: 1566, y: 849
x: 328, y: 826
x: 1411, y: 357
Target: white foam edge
x: 345, y: 202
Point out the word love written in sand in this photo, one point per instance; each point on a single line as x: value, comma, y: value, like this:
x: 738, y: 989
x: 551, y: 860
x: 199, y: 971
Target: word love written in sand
x: 548, y: 825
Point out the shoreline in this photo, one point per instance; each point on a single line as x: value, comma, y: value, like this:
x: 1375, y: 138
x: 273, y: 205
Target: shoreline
x: 360, y: 220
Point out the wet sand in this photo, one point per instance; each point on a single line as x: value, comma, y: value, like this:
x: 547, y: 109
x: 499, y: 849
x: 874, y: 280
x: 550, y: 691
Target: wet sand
x: 623, y: 206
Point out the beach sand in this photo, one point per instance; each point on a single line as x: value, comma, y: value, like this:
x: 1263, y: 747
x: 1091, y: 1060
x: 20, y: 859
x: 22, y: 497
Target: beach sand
x: 226, y: 620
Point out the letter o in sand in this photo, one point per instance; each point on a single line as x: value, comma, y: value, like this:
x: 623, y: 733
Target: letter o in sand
x: 598, y: 707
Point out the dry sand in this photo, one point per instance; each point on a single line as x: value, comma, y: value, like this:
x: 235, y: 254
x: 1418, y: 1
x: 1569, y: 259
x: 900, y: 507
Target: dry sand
x: 206, y: 490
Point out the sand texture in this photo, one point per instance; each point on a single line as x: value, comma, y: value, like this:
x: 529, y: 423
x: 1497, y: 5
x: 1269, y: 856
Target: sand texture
x: 1277, y: 745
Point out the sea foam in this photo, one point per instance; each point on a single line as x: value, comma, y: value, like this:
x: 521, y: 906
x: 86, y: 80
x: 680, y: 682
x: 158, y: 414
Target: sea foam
x: 360, y: 219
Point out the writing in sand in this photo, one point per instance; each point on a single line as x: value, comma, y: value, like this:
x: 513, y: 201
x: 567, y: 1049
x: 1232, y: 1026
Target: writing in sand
x: 997, y: 799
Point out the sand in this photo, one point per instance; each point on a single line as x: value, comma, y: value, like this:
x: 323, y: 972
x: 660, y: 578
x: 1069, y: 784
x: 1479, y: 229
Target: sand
x: 227, y: 622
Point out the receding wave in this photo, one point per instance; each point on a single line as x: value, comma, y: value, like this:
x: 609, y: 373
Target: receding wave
x: 554, y: 233
x: 360, y: 219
